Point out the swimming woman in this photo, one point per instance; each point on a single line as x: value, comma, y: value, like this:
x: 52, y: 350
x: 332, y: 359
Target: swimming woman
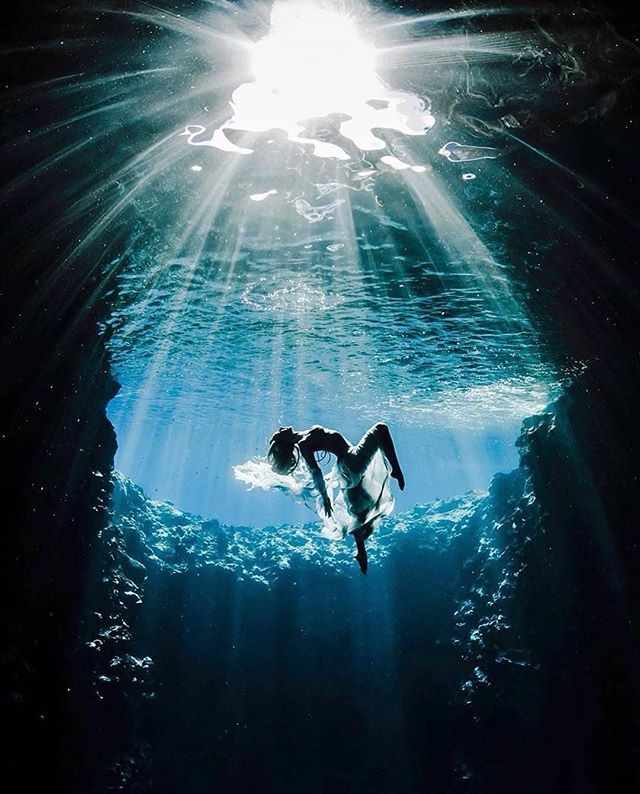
x: 365, y: 492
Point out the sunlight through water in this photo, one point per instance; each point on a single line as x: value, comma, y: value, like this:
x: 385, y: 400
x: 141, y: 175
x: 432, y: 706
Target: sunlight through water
x: 311, y: 64
x: 323, y: 265
x: 318, y: 213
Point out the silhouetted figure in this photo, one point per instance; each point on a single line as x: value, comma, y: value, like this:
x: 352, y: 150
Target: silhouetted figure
x: 364, y: 491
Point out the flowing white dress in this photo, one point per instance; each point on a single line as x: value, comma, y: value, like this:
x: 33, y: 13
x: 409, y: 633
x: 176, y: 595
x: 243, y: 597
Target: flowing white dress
x: 357, y: 485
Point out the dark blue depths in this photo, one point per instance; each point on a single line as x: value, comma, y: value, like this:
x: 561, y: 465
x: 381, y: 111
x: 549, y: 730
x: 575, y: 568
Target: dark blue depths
x: 493, y: 646
x: 487, y: 650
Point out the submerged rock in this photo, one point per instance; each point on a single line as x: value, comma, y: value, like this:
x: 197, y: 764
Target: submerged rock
x: 162, y: 536
x: 475, y: 625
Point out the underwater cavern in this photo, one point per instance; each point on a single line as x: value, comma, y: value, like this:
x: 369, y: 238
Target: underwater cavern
x: 224, y: 217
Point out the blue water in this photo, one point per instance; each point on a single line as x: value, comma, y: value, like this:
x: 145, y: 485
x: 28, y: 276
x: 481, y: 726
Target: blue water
x: 250, y: 269
x: 268, y: 284
x: 390, y: 307
x: 436, y: 463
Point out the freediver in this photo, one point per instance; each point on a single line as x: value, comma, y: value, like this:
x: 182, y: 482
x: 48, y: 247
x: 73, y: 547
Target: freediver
x: 361, y: 499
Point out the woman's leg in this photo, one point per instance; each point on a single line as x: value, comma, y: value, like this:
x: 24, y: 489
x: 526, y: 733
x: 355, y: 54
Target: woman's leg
x: 386, y: 443
x: 376, y: 438
x: 359, y: 457
x: 361, y: 552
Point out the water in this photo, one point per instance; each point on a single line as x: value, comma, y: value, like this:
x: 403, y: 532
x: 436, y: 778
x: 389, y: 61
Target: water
x: 439, y: 262
x: 287, y: 284
x: 266, y: 329
x: 291, y: 283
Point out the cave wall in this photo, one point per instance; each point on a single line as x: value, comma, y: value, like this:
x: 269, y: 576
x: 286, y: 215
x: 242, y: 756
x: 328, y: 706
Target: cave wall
x: 570, y: 722
x: 57, y: 446
x: 493, y: 646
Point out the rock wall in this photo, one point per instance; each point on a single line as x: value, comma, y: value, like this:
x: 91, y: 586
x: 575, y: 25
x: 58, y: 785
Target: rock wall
x: 56, y: 444
x: 496, y: 647
x: 496, y: 634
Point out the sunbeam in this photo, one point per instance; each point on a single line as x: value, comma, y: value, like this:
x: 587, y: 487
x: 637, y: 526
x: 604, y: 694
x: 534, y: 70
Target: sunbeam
x: 294, y: 176
x: 319, y: 367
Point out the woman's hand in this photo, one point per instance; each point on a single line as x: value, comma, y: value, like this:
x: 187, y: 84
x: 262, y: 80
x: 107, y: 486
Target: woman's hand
x: 326, y: 502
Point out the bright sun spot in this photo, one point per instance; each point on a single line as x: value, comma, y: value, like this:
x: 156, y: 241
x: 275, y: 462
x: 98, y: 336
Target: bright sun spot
x: 311, y: 64
x: 315, y: 60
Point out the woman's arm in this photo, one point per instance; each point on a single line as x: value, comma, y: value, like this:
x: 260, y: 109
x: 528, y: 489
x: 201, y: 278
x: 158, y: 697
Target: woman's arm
x: 318, y: 479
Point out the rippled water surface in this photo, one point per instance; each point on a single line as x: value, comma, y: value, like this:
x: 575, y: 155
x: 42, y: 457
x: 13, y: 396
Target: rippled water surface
x: 388, y: 306
x: 378, y: 324
x: 287, y: 270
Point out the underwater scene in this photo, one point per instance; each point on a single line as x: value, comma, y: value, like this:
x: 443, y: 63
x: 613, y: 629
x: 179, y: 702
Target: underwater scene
x: 320, y: 362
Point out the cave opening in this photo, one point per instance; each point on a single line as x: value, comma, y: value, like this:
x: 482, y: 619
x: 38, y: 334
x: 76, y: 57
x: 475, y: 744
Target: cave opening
x: 346, y: 264
x: 447, y: 251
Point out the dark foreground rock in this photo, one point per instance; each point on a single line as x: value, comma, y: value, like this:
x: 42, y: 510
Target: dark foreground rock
x: 492, y: 646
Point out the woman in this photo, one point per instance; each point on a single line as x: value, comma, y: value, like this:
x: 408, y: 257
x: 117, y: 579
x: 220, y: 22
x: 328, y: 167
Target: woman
x: 362, y: 476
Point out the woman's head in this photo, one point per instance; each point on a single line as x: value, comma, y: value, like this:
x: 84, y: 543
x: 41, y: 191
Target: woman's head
x: 283, y: 455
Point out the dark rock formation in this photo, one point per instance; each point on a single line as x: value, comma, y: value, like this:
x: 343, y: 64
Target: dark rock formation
x: 495, y: 647
x: 56, y: 444
x: 514, y: 660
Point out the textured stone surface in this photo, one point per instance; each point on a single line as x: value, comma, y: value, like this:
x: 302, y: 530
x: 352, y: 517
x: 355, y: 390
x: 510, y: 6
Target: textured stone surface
x: 512, y: 646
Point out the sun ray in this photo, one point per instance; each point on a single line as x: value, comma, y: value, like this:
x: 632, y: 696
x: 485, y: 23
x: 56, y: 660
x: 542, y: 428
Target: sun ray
x: 307, y: 198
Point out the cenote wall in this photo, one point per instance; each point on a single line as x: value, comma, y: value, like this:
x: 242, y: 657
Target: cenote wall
x: 492, y: 647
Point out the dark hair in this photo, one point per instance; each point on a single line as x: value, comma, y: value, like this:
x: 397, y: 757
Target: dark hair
x: 283, y: 454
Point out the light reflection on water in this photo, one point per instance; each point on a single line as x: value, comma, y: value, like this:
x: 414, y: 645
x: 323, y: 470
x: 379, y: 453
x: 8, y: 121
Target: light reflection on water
x: 287, y: 287
x: 374, y: 312
x: 368, y: 313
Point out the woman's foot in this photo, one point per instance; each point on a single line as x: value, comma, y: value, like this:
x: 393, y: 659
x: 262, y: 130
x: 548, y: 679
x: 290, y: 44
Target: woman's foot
x: 399, y: 476
x: 361, y: 552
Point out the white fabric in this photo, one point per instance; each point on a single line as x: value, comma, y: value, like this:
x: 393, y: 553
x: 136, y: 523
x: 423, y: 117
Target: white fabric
x: 358, y: 487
